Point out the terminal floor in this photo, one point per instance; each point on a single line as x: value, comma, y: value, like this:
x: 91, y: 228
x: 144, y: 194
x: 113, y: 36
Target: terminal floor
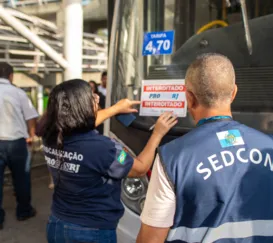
x: 32, y: 230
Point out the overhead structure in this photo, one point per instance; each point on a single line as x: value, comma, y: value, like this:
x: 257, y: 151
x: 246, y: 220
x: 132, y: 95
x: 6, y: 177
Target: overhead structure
x: 25, y: 32
x: 22, y: 3
x: 26, y: 54
x: 93, y: 10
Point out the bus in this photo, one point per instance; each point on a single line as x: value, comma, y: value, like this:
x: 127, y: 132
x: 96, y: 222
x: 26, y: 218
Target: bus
x: 200, y: 26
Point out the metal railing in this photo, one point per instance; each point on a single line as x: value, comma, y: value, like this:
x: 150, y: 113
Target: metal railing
x: 25, y: 3
x: 23, y: 56
x: 22, y: 3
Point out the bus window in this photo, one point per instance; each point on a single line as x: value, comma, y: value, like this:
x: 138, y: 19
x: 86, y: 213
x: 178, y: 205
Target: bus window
x: 200, y: 26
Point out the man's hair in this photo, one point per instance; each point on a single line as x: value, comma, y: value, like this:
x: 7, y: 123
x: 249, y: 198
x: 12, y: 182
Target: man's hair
x: 211, y: 78
x: 5, y: 70
x: 104, y: 74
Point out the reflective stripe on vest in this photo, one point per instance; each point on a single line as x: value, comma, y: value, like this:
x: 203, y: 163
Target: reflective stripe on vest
x: 225, y: 231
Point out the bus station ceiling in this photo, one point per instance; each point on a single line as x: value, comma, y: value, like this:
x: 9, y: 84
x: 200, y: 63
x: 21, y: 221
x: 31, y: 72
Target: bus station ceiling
x: 92, y: 9
x: 23, y: 56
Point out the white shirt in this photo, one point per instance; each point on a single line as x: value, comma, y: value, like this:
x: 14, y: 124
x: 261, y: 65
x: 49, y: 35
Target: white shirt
x: 160, y: 203
x: 102, y: 90
x: 15, y: 109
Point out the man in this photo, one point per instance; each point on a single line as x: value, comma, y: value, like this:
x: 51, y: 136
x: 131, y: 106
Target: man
x: 215, y: 183
x: 17, y: 128
x: 102, y: 87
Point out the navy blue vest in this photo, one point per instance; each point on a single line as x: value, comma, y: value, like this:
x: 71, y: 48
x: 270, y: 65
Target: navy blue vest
x: 222, y: 176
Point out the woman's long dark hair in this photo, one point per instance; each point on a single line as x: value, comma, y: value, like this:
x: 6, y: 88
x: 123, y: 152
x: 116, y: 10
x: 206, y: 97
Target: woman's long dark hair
x: 70, y: 110
x: 95, y: 85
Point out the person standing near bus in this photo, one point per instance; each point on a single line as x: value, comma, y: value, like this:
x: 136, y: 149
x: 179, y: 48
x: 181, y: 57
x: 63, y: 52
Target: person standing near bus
x: 95, y: 88
x: 215, y: 183
x: 87, y: 167
x: 102, y: 87
x: 102, y: 98
x: 17, y: 129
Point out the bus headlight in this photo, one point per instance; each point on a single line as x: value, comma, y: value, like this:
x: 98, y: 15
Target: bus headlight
x: 133, y: 193
x: 133, y: 188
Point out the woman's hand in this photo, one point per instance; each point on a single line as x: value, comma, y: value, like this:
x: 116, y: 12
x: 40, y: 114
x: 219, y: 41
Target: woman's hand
x: 164, y: 123
x: 144, y: 160
x: 96, y: 98
x: 125, y: 106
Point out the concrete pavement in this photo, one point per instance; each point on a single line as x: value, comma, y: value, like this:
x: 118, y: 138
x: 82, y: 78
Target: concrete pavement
x: 32, y: 230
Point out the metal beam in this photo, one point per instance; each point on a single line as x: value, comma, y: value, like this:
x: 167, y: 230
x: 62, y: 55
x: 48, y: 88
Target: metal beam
x: 31, y: 37
x: 113, y: 40
x: 111, y: 6
x: 246, y: 26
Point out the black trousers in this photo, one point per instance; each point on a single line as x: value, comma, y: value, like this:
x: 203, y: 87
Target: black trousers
x: 15, y: 155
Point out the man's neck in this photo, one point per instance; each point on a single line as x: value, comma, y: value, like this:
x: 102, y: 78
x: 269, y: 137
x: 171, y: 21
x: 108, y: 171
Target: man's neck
x: 206, y: 113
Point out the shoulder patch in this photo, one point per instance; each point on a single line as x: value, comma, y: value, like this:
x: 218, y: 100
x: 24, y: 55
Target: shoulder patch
x: 122, y: 156
x: 230, y: 138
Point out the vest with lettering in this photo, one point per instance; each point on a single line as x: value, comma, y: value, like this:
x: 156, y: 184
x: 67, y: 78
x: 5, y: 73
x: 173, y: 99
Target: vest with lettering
x: 87, y: 174
x: 222, y: 176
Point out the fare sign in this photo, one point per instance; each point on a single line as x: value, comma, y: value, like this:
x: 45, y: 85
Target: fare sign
x: 158, y: 43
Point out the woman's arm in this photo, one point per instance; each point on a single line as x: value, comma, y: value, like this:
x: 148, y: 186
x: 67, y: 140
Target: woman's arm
x: 123, y: 106
x: 144, y: 160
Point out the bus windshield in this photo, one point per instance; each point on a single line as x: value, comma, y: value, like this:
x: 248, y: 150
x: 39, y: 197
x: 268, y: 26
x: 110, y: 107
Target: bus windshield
x: 200, y: 26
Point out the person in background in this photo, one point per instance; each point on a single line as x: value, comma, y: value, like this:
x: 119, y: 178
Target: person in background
x: 46, y: 96
x: 94, y: 87
x: 87, y: 167
x: 102, y: 86
x: 214, y: 184
x: 17, y: 130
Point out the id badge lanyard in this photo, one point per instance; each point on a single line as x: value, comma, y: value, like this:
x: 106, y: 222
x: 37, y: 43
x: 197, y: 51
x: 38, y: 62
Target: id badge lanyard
x: 213, y: 119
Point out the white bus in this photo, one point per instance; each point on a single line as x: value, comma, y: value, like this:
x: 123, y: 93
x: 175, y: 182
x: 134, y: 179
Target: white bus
x: 200, y: 26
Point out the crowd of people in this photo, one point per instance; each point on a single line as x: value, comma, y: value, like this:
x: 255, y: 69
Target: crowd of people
x: 205, y: 186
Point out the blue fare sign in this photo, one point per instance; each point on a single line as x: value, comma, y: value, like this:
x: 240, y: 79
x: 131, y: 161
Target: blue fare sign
x: 158, y: 43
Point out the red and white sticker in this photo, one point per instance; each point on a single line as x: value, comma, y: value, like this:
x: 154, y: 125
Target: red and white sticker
x: 159, y: 96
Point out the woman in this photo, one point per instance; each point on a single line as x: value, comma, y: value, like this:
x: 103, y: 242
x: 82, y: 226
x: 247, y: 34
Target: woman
x: 87, y: 168
x: 94, y: 87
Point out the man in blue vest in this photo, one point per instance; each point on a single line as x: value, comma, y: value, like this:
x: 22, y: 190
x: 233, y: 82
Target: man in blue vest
x: 215, y: 183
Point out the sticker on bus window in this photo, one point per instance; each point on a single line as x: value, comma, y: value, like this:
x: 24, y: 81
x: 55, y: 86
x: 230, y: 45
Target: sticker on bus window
x: 158, y: 96
x: 158, y: 43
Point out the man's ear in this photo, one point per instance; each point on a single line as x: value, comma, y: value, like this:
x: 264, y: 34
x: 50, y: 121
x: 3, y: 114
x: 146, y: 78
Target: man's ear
x: 234, y: 93
x: 191, y: 100
x: 11, y: 77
